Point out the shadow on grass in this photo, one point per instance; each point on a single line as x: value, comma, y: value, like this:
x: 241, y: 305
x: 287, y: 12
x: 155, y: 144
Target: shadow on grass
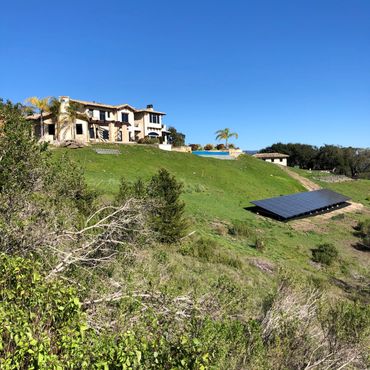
x: 362, y: 247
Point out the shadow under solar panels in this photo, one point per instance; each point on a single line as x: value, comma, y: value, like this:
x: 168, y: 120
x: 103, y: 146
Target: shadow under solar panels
x: 301, y: 204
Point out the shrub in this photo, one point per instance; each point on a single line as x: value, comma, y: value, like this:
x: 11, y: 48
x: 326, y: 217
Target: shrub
x: 363, y: 231
x: 240, y: 228
x: 208, y: 147
x: 162, y: 195
x: 176, y: 138
x: 168, y: 219
x: 220, y: 146
x: 195, y: 147
x: 339, y: 217
x: 363, y: 228
x: 203, y: 249
x: 38, y: 192
x: 43, y: 326
x: 348, y: 322
x: 148, y: 140
x: 325, y: 254
x: 259, y: 244
x: 231, y: 146
x: 209, y: 250
x: 161, y: 256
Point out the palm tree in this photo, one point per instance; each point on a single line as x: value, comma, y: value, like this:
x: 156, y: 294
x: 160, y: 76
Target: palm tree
x: 54, y: 109
x: 40, y: 105
x: 73, y: 111
x: 225, y: 134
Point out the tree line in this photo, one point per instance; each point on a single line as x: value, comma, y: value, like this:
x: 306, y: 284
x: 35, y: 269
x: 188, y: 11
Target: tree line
x: 349, y: 161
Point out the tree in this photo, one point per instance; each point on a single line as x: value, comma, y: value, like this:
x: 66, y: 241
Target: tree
x: 225, y: 134
x: 54, y: 109
x: 73, y: 112
x: 42, y: 106
x: 176, y: 138
x: 168, y: 218
x: 301, y: 155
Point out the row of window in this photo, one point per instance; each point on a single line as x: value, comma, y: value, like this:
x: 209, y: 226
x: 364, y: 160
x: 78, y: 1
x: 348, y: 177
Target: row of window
x: 103, y: 115
x: 273, y: 160
x: 93, y: 135
x: 154, y: 118
x: 79, y: 129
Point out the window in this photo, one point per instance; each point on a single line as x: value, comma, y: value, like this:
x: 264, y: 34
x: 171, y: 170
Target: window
x: 90, y: 112
x: 105, y: 134
x: 92, y: 133
x: 51, y: 129
x: 102, y: 115
x: 272, y: 160
x: 108, y: 114
x: 124, y: 117
x: 154, y: 118
x: 79, y: 130
x: 281, y: 159
x: 119, y: 135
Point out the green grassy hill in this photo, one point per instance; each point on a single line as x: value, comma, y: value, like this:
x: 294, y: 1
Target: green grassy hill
x: 216, y: 193
x: 358, y: 190
x: 206, y: 180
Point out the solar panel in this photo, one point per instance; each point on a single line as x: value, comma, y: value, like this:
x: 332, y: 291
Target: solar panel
x: 301, y: 204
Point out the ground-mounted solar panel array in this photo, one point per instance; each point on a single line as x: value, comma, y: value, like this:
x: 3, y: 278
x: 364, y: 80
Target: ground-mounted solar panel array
x: 302, y: 204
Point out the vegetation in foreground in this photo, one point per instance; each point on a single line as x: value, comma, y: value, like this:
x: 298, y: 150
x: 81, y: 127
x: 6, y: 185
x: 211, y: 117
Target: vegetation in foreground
x: 92, y: 282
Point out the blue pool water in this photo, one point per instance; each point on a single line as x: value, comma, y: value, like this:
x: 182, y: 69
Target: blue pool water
x: 209, y: 152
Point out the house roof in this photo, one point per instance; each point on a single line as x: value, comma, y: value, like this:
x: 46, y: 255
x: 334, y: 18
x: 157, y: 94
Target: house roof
x: 270, y: 155
x: 120, y: 106
x: 150, y: 111
x: 37, y: 116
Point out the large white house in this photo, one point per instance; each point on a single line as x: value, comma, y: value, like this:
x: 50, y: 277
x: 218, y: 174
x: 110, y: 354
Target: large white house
x: 97, y: 122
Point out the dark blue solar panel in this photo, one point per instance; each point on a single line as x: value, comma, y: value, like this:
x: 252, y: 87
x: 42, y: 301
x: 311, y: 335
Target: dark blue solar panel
x: 295, y: 205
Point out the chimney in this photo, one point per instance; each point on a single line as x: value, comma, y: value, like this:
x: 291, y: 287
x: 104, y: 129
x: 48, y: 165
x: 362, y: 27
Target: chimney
x: 149, y: 106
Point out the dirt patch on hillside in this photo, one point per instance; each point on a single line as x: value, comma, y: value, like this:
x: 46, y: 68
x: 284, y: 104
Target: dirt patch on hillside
x: 308, y: 184
x: 353, y: 207
x: 318, y: 223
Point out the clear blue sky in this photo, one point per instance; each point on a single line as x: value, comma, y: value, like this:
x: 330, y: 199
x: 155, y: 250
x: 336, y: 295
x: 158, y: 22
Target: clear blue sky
x: 272, y: 70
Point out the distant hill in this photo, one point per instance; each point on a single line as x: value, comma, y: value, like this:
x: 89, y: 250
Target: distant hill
x: 250, y: 152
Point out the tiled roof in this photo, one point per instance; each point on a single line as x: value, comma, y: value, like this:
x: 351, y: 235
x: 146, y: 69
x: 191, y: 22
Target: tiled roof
x: 270, y: 155
x: 37, y: 116
x: 120, y: 106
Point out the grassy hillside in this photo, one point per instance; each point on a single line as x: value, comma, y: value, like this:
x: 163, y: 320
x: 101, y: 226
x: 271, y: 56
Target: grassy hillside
x: 216, y: 194
x: 206, y: 180
x: 358, y: 190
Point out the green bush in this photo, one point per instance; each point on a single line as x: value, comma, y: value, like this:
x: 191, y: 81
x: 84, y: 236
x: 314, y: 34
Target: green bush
x: 348, y: 322
x: 195, y: 147
x: 325, y: 254
x: 148, y: 140
x: 43, y: 327
x: 259, y: 244
x: 168, y: 219
x: 208, y: 250
x: 363, y: 231
x: 220, y: 147
x: 166, y: 209
x: 240, y: 228
x: 208, y: 147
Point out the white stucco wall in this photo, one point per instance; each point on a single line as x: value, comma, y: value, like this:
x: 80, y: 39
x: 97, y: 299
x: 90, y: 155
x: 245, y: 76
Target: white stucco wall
x: 282, y: 161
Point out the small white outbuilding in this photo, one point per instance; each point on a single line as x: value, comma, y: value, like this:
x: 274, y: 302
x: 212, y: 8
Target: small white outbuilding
x: 276, y: 158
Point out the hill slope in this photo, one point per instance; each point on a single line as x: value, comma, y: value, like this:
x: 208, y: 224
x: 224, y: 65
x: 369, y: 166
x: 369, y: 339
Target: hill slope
x: 216, y: 194
x: 206, y: 180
